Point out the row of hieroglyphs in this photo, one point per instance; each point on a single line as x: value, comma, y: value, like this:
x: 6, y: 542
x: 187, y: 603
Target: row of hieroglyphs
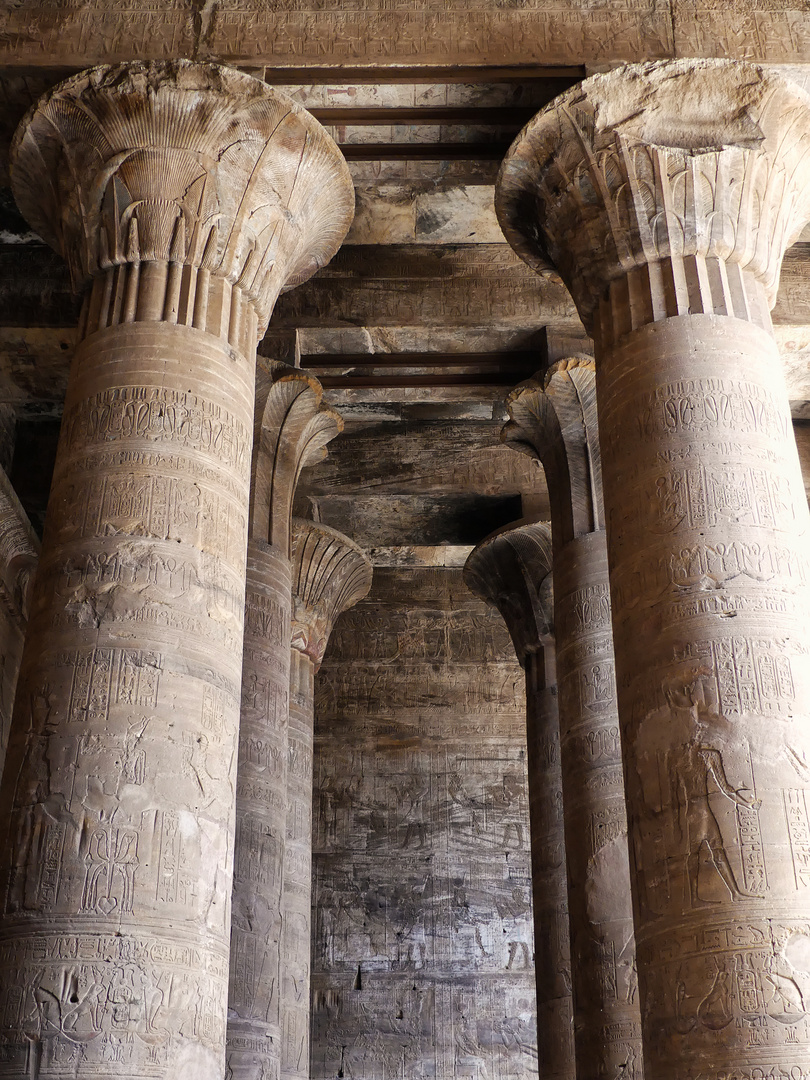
x: 313, y: 32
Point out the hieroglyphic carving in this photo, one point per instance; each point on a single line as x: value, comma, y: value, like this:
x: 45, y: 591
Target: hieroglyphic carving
x: 511, y: 570
x: 658, y: 233
x: 102, y: 678
x: 357, y: 34
x: 330, y: 573
x: 676, y: 235
x: 183, y: 191
x: 421, y: 874
x: 753, y: 31
x: 159, y: 415
x: 555, y: 420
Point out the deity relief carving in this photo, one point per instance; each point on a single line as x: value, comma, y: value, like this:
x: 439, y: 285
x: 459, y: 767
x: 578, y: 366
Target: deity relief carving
x: 679, y: 766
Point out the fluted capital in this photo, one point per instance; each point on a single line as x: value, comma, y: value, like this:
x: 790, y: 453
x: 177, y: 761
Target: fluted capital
x: 672, y: 160
x: 185, y: 163
x: 555, y: 421
x: 330, y: 574
x: 292, y: 428
x: 511, y: 570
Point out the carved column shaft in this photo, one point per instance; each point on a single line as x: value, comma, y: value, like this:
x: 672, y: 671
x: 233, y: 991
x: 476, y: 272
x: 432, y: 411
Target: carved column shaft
x: 552, y: 952
x: 666, y: 195
x: 120, y: 783
x: 512, y: 571
x: 607, y: 1023
x: 293, y: 426
x: 19, y: 551
x: 297, y: 899
x: 254, y: 995
x: 330, y: 574
x: 557, y: 423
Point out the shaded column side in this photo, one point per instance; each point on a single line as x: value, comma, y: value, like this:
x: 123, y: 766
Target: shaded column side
x: 556, y: 422
x: 292, y: 427
x: 512, y: 571
x: 331, y: 574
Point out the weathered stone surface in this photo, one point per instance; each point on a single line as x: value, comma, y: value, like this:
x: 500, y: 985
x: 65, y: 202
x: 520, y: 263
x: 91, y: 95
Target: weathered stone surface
x: 659, y: 130
x: 421, y: 869
x: 429, y: 213
x: 556, y: 422
x: 707, y: 528
x: 512, y: 571
x: 385, y: 520
x: 330, y: 574
x: 422, y: 458
x: 292, y: 427
x: 319, y: 35
x: 184, y: 193
x: 19, y: 550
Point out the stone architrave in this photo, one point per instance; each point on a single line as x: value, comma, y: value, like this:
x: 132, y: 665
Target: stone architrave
x: 330, y: 574
x: 666, y: 195
x: 19, y: 551
x: 555, y: 421
x: 293, y: 426
x: 186, y: 196
x: 511, y: 570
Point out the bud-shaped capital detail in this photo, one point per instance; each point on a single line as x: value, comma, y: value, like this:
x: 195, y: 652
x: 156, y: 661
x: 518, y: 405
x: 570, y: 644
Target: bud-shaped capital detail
x: 292, y: 428
x: 183, y: 163
x: 330, y: 574
x: 511, y: 570
x: 705, y: 160
x: 555, y: 421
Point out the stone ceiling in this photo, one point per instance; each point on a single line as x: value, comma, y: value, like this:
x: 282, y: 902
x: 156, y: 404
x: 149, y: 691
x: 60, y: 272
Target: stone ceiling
x: 426, y: 318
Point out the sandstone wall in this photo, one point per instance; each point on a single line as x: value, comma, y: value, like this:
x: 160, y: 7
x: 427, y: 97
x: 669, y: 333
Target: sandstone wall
x: 422, y: 933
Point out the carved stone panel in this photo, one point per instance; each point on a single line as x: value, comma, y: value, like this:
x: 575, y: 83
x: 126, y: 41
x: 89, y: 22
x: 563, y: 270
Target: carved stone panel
x: 422, y: 939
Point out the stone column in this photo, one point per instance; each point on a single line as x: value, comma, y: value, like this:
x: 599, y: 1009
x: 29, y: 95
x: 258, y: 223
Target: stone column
x: 555, y: 421
x: 187, y: 196
x: 292, y: 427
x: 19, y: 551
x: 512, y: 571
x: 666, y: 195
x: 330, y: 574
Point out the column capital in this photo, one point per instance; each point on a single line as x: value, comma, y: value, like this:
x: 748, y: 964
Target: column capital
x: 511, y: 570
x: 185, y: 164
x: 554, y: 420
x: 292, y: 427
x: 695, y: 173
x: 330, y: 574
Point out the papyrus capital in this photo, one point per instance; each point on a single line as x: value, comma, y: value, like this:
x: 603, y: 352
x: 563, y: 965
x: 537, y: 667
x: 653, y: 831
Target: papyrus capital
x: 704, y: 163
x: 330, y: 574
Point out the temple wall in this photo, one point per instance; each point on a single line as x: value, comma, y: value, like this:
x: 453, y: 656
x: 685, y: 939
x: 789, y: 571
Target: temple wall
x: 422, y: 933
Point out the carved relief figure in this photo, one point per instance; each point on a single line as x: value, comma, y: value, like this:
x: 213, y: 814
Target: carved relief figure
x: 692, y: 767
